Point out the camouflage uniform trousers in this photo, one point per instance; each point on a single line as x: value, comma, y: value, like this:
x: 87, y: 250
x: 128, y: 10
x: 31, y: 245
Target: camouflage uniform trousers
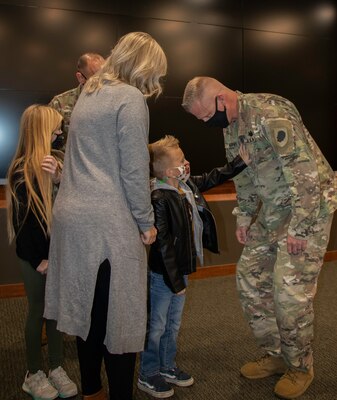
x: 277, y: 290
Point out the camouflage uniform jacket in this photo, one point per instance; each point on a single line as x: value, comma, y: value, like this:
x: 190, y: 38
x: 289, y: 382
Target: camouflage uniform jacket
x: 64, y: 103
x: 288, y: 179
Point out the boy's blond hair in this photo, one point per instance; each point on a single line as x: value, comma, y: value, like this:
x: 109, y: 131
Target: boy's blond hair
x: 160, y: 155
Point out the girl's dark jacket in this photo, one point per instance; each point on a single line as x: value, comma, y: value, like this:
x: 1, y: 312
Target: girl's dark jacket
x: 31, y: 243
x: 173, y: 254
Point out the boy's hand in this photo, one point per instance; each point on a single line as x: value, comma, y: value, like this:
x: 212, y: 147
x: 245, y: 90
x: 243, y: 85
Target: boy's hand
x: 181, y: 292
x: 244, y: 154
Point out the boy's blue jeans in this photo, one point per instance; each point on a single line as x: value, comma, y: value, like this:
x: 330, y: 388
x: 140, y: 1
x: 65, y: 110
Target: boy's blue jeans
x: 164, y: 321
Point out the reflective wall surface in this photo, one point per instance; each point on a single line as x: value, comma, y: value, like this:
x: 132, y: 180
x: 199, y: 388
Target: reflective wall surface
x: 282, y: 47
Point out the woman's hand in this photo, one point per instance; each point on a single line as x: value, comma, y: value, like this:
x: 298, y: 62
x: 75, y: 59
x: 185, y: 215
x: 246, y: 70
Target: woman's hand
x: 42, y: 268
x: 149, y: 236
x: 244, y: 154
x: 50, y: 165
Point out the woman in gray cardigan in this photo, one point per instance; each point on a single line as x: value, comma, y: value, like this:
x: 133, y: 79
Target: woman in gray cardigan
x: 96, y: 281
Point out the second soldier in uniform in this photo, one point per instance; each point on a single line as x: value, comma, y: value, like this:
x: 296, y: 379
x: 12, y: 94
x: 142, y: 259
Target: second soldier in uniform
x: 87, y: 65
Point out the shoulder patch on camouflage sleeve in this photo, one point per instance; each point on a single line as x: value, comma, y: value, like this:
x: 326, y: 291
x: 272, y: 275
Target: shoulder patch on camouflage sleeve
x: 281, y: 135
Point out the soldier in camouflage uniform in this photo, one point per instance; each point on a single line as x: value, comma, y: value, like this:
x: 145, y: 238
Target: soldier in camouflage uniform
x: 286, y: 199
x: 87, y: 65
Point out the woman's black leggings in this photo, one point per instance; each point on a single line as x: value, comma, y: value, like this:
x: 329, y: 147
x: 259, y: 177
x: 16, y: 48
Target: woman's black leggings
x: 119, y: 367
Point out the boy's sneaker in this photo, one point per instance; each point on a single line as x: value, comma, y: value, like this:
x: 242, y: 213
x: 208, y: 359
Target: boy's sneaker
x: 177, y: 377
x: 156, y: 386
x: 62, y: 383
x: 38, y: 386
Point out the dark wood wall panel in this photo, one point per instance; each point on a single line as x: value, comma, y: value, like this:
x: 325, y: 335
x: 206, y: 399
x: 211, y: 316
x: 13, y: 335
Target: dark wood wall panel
x: 301, y: 17
x: 42, y: 45
x: 12, y: 104
x: 215, y: 12
x: 192, y: 49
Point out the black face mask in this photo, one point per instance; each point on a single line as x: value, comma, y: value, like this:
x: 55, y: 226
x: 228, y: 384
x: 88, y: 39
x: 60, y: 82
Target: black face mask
x: 58, y: 143
x: 219, y: 118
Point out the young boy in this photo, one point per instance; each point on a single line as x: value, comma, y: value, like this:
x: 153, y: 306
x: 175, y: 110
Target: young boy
x: 185, y: 225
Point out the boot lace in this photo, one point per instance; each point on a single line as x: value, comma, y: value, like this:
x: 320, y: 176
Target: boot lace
x: 291, y: 375
x: 262, y: 359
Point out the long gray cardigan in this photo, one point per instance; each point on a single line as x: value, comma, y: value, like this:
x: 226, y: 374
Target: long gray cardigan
x: 102, y: 205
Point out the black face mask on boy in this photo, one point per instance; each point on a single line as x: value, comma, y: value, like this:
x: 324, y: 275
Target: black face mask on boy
x: 219, y: 118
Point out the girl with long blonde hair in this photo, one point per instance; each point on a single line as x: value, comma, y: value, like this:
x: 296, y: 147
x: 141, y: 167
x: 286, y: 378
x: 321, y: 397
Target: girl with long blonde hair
x: 32, y: 176
x: 37, y: 123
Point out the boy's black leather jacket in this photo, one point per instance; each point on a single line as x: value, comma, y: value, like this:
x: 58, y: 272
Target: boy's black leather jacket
x: 172, y: 253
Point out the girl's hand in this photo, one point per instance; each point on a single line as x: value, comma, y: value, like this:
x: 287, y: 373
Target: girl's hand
x: 244, y: 154
x: 42, y: 268
x: 50, y: 165
x: 181, y: 292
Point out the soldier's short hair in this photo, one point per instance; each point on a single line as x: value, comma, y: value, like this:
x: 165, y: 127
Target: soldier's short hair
x: 195, y: 89
x: 160, y: 155
x: 85, y: 58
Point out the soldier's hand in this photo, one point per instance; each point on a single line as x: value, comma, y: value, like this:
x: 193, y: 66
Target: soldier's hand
x: 241, y: 234
x: 296, y: 246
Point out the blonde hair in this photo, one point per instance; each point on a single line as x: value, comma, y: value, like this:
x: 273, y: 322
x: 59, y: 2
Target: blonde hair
x: 37, y: 125
x: 138, y: 60
x: 195, y: 90
x: 160, y: 155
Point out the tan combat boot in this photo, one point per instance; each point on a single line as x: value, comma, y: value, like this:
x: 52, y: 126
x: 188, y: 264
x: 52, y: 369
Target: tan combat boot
x: 97, y: 396
x: 265, y: 366
x: 294, y: 383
